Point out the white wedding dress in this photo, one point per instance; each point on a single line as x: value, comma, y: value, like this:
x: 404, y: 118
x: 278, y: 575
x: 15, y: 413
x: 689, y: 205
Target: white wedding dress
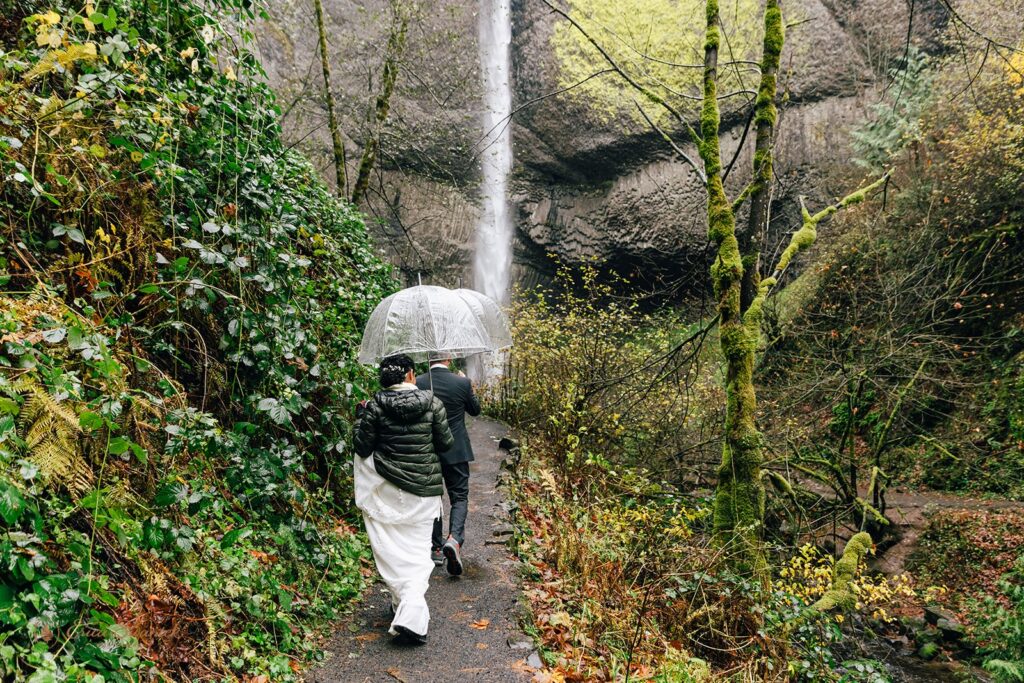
x: 399, y: 526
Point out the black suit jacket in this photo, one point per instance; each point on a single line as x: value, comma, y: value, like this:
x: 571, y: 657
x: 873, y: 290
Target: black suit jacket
x: 456, y: 393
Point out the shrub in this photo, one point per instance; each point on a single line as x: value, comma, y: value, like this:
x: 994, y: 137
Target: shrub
x: 1000, y: 627
x: 600, y: 384
x: 900, y: 339
x: 180, y: 302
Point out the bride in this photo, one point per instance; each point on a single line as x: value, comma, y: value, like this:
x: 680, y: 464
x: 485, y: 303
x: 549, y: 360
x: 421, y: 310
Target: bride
x: 398, y: 487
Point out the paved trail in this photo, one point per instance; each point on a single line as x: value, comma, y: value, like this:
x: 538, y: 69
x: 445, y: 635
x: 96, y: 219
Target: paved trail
x: 473, y: 631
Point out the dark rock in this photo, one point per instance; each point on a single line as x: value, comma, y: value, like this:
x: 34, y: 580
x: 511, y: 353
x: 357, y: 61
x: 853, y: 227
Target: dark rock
x: 951, y: 630
x: 899, y: 642
x: 932, y: 614
x: 911, y: 625
x: 503, y: 530
x: 928, y: 635
x: 508, y: 444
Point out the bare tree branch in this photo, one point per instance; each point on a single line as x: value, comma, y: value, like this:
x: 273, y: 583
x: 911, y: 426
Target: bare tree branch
x: 678, y: 150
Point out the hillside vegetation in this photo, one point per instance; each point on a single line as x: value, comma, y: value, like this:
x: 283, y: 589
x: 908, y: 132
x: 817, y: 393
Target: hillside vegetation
x: 892, y: 364
x: 179, y: 300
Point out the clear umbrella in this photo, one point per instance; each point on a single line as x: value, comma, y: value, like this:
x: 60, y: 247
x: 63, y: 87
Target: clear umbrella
x: 422, y: 322
x: 490, y: 315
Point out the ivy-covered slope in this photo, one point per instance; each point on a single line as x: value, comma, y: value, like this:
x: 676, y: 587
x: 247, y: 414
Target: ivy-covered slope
x: 180, y: 299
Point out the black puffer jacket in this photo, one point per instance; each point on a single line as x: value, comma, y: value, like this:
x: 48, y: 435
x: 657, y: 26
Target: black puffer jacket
x: 405, y: 430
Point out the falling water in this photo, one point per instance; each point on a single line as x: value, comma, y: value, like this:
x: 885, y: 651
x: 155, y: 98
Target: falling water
x: 494, y: 232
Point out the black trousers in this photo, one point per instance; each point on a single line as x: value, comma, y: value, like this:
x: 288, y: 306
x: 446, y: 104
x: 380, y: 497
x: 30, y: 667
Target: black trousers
x: 456, y: 482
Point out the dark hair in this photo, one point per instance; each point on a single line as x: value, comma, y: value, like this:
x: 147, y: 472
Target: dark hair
x: 394, y: 368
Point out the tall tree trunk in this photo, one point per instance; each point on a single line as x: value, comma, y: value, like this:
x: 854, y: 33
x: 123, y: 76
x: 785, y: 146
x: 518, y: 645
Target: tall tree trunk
x: 396, y: 46
x: 340, y: 177
x: 740, y: 495
x: 765, y: 114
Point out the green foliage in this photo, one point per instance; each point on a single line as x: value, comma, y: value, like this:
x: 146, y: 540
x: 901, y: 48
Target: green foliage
x: 1000, y: 628
x: 896, y: 118
x: 181, y: 301
x: 590, y: 378
x: 903, y: 337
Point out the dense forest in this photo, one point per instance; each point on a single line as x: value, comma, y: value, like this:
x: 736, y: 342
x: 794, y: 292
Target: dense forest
x: 807, y: 464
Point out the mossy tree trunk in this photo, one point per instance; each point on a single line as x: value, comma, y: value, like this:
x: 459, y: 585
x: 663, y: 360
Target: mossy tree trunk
x: 389, y: 75
x: 340, y: 179
x: 765, y: 114
x: 740, y: 495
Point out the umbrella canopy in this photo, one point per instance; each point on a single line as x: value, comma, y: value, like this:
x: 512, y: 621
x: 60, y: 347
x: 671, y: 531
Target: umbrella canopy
x: 421, y: 322
x: 490, y: 315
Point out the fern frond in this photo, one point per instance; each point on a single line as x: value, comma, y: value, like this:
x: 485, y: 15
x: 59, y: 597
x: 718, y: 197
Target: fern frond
x: 1005, y: 670
x: 52, y: 434
x: 65, y: 58
x: 122, y: 496
x: 63, y: 465
x: 23, y: 384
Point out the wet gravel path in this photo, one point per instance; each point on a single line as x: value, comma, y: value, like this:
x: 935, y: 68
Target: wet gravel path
x: 473, y: 631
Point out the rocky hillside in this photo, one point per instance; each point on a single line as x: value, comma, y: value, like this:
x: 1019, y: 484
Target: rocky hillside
x: 592, y: 179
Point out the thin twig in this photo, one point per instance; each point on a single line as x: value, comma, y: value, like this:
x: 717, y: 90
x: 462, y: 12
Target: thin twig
x: 678, y: 150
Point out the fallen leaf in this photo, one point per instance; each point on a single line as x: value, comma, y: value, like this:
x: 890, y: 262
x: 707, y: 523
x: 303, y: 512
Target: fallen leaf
x: 368, y: 637
x: 480, y: 624
x: 522, y: 666
x: 395, y: 674
x: 558, y: 619
x: 482, y: 646
x: 549, y: 676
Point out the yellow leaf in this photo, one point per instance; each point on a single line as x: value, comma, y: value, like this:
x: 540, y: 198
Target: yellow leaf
x: 51, y: 18
x: 480, y: 624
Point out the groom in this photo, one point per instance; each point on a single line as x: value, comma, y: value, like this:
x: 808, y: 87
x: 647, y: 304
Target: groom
x: 456, y: 393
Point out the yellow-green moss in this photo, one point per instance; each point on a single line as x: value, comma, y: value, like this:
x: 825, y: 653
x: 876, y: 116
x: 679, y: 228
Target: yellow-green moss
x: 647, y: 39
x: 840, y: 596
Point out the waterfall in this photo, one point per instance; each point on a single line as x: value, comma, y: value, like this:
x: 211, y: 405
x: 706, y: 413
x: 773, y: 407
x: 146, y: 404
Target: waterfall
x: 493, y: 258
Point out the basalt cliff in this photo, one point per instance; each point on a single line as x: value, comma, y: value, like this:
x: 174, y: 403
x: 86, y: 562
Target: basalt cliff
x: 590, y: 183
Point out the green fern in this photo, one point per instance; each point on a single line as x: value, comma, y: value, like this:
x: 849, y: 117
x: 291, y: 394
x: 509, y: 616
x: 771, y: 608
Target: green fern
x: 1004, y: 670
x: 52, y: 436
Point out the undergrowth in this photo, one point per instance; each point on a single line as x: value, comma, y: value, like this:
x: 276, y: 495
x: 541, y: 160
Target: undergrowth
x: 896, y: 356
x: 623, y: 578
x: 181, y: 298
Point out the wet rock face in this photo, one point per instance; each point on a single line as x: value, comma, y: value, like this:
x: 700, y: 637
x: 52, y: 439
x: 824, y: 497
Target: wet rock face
x: 587, y: 186
x: 593, y: 187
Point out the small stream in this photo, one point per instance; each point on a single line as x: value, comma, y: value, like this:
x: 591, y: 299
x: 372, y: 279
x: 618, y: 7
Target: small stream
x: 905, y: 667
